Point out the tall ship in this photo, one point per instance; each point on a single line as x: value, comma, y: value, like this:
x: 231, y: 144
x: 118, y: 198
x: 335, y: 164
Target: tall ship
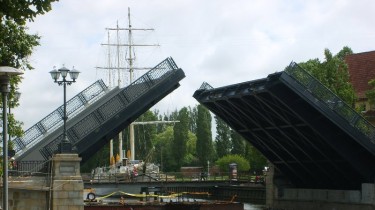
x: 120, y: 70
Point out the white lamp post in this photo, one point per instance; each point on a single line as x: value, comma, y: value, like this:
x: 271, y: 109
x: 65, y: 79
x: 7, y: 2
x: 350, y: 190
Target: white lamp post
x: 5, y: 73
x: 65, y: 146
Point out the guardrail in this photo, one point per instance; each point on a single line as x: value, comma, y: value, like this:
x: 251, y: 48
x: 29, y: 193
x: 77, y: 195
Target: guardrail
x: 326, y: 96
x: 243, y: 177
x: 35, y: 134
x: 113, y: 106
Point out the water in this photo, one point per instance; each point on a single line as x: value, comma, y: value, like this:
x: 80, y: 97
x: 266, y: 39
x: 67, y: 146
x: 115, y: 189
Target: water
x: 250, y: 206
x: 247, y: 206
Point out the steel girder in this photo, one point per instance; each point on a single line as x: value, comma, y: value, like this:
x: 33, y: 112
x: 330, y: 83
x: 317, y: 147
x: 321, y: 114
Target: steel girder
x: 311, y: 142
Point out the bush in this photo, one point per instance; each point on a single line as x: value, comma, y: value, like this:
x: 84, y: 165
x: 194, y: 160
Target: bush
x: 242, y: 163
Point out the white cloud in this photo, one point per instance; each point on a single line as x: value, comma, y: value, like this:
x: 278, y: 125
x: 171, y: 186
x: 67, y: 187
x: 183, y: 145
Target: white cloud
x: 216, y: 41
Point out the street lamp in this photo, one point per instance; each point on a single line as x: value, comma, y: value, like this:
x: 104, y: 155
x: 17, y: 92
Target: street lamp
x: 5, y: 73
x: 65, y: 146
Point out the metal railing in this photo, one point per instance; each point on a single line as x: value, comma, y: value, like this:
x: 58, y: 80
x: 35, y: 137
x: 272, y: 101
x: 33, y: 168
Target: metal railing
x: 335, y: 103
x: 243, y: 177
x: 205, y: 86
x: 113, y: 106
x: 74, y: 106
x: 29, y: 168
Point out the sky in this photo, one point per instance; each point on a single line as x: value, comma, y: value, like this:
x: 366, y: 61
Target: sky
x: 215, y: 41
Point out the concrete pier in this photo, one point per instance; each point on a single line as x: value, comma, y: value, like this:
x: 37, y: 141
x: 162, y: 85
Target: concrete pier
x: 282, y: 196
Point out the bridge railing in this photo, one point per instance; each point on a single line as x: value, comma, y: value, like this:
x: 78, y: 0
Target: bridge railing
x: 113, y: 106
x: 23, y: 170
x: 75, y: 105
x: 205, y: 86
x: 243, y: 177
x: 335, y: 103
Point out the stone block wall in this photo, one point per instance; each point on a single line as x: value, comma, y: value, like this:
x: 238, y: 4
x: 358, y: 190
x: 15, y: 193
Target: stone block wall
x: 36, y: 193
x: 27, y: 193
x: 67, y: 183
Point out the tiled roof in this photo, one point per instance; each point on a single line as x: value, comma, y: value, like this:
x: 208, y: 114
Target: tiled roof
x: 361, y: 70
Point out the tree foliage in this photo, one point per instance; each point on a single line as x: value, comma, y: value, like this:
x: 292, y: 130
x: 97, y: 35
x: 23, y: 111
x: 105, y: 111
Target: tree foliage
x: 144, y: 135
x: 370, y: 94
x: 238, y: 142
x: 163, y: 152
x: 242, y: 163
x: 17, y: 44
x: 181, y: 136
x: 333, y: 73
x: 22, y: 10
x: 223, y: 141
x: 176, y: 146
x: 204, y: 145
x: 191, y: 155
x: 193, y: 114
x: 256, y: 159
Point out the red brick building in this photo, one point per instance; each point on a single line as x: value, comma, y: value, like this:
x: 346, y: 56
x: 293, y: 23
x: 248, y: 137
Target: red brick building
x: 362, y: 70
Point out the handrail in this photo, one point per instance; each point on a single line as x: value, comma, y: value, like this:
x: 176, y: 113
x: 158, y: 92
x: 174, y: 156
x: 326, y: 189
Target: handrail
x: 326, y: 96
x: 75, y: 105
x: 114, y: 105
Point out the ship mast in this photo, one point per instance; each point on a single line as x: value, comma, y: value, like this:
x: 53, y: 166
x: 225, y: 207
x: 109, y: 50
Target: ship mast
x: 130, y: 45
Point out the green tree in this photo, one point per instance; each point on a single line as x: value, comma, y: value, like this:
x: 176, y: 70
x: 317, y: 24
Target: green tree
x: 256, y: 159
x: 333, y: 73
x: 99, y: 159
x: 22, y: 10
x: 193, y: 119
x: 144, y: 135
x: 17, y: 45
x: 163, y: 149
x: 242, y: 163
x: 370, y: 94
x: 204, y: 146
x: 222, y: 140
x: 191, y: 155
x: 181, y: 136
x: 238, y: 142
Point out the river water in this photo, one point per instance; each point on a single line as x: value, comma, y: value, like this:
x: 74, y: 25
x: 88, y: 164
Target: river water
x: 250, y: 206
x: 247, y: 206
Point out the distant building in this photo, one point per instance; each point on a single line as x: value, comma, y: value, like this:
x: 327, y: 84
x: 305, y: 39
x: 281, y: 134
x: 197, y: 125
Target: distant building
x: 362, y: 70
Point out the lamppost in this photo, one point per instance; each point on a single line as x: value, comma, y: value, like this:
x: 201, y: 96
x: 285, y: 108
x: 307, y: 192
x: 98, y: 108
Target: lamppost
x: 65, y: 146
x: 5, y: 73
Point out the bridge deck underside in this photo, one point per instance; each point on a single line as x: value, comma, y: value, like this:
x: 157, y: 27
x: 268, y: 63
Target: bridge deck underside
x: 294, y: 133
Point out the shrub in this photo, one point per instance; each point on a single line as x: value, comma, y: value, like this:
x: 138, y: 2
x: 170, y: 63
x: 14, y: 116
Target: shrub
x: 242, y: 163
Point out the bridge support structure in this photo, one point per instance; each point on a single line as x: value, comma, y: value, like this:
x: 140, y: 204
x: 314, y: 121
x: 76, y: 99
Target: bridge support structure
x: 280, y: 195
x: 67, y: 184
x: 61, y: 188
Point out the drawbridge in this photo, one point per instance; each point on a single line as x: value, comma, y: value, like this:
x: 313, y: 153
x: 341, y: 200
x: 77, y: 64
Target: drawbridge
x: 97, y: 114
x: 308, y: 133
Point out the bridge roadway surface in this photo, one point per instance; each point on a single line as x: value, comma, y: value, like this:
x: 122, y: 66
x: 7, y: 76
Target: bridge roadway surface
x: 313, y: 138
